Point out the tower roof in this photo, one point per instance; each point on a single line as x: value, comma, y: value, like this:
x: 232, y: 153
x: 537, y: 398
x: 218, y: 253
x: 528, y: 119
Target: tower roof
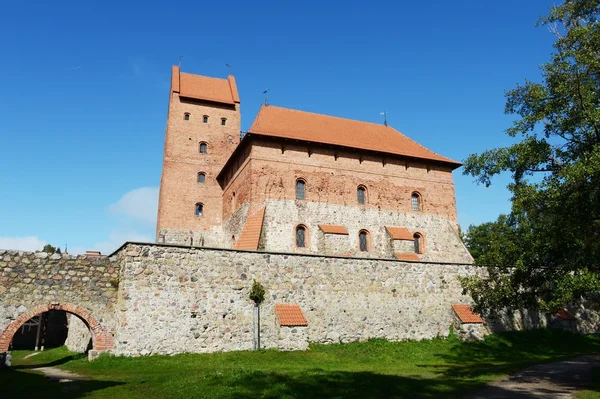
x: 204, y: 88
x: 307, y: 126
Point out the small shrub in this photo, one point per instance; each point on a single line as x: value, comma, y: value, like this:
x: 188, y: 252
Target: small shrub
x: 257, y: 293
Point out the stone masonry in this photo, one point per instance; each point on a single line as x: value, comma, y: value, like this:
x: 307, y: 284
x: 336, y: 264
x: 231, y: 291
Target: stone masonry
x: 175, y: 299
x: 32, y: 283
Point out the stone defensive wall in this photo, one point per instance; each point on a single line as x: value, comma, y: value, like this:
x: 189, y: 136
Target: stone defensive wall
x: 179, y: 299
x: 165, y: 299
x: 36, y: 282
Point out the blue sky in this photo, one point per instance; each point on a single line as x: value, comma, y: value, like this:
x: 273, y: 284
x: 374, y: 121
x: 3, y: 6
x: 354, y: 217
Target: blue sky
x: 84, y: 91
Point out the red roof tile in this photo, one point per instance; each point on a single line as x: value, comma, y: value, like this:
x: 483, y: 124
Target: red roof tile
x: 399, y: 233
x: 563, y: 314
x: 204, y: 87
x: 251, y: 233
x: 408, y: 257
x: 466, y: 314
x: 290, y: 315
x: 333, y: 229
x: 307, y: 126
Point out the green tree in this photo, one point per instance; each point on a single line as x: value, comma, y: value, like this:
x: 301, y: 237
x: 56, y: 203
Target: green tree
x: 49, y: 249
x: 546, y: 253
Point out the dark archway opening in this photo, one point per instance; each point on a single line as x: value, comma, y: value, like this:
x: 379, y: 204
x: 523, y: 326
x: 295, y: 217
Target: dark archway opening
x: 44, y: 331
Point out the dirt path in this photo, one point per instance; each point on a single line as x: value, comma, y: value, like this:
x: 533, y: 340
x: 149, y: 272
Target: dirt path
x: 56, y: 374
x: 552, y: 380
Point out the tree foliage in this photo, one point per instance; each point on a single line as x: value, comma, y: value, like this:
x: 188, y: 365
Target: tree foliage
x: 49, y: 249
x: 257, y: 293
x: 546, y: 252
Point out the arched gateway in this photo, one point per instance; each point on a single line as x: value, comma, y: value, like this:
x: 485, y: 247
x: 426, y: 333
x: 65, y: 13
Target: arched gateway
x: 102, y: 339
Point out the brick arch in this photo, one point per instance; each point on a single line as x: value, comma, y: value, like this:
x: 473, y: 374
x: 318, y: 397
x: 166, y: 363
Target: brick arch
x: 101, y: 338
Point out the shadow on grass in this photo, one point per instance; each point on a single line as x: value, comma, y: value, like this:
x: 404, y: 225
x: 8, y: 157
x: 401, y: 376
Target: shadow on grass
x: 20, y: 384
x: 511, y: 351
x: 56, y: 362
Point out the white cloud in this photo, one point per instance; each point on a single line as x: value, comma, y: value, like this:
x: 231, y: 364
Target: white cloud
x: 29, y: 243
x: 140, y: 204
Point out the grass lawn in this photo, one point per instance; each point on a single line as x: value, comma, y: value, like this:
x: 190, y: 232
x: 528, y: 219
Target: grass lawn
x: 439, y: 368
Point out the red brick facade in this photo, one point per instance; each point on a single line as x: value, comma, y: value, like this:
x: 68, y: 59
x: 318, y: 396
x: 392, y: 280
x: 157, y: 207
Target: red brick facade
x: 333, y: 157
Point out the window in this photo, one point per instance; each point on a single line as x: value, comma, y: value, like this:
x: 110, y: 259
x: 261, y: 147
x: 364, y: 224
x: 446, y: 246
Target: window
x: 205, y: 119
x: 199, y: 209
x: 223, y: 121
x: 361, y: 193
x: 300, y: 236
x: 201, y: 177
x: 300, y: 189
x: 419, y: 247
x: 363, y: 240
x: 186, y: 116
x: 415, y: 201
x: 203, y: 148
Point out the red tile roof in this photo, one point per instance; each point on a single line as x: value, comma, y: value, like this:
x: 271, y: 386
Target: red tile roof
x: 251, y: 233
x: 204, y: 87
x: 399, y: 233
x: 290, y: 315
x: 563, y: 314
x: 307, y: 126
x: 408, y: 257
x: 333, y: 229
x: 466, y: 314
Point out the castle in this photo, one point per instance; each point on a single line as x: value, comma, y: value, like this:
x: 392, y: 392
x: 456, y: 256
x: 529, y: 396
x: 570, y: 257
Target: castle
x: 299, y: 182
x: 350, y: 227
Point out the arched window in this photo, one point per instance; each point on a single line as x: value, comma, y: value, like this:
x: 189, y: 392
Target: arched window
x: 203, y: 148
x: 301, y: 236
x: 186, y: 116
x: 415, y: 201
x: 361, y: 192
x: 223, y: 121
x: 419, y: 245
x: 233, y: 201
x: 300, y: 189
x: 363, y: 240
x: 199, y: 209
x: 201, y: 177
x: 205, y: 119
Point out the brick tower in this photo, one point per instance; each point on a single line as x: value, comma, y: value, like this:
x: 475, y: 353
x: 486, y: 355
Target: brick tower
x: 203, y: 129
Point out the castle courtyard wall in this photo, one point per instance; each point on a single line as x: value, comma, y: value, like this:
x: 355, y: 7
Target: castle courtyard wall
x: 175, y: 299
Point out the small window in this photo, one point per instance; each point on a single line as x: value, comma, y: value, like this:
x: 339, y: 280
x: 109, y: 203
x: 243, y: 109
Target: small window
x: 300, y: 189
x: 205, y: 119
x: 361, y: 193
x: 223, y: 121
x: 301, y: 236
x: 418, y: 240
x: 415, y: 201
x: 203, y: 148
x: 201, y: 177
x: 199, y: 209
x: 363, y: 240
x: 186, y: 116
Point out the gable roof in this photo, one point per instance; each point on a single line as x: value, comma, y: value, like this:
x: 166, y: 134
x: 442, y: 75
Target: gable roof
x: 204, y: 88
x: 251, y: 233
x: 399, y: 233
x: 307, y: 126
x: 290, y: 315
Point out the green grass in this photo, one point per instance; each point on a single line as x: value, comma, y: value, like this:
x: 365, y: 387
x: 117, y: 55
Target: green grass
x: 594, y: 391
x: 439, y: 368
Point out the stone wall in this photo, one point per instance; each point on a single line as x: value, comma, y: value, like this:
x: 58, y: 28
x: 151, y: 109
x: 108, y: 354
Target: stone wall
x: 175, y: 299
x: 78, y: 338
x: 441, y: 242
x: 34, y: 282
